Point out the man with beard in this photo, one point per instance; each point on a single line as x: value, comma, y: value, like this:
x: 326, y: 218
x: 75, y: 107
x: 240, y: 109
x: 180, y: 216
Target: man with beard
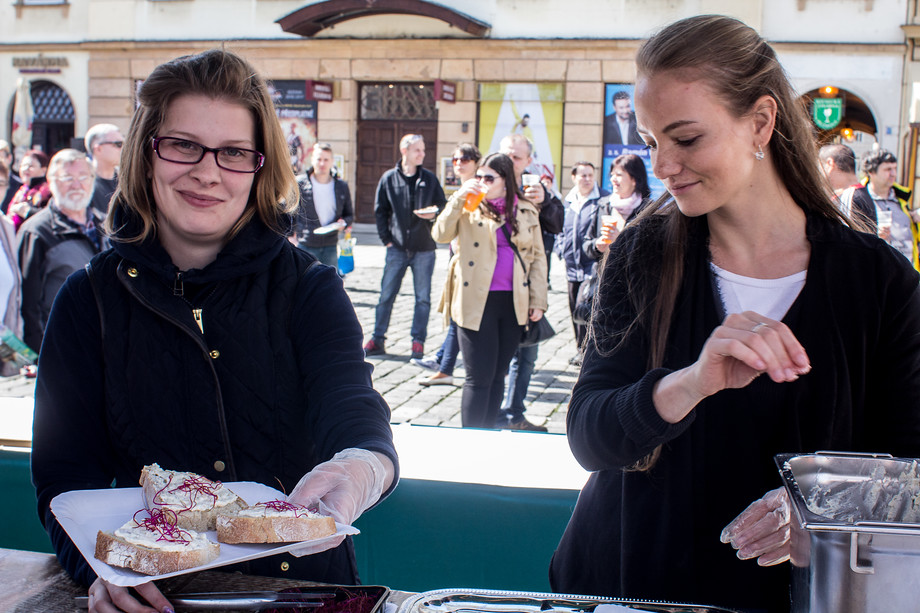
x: 57, y: 240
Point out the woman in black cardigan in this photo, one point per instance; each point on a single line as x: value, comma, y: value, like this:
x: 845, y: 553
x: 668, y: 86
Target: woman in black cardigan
x: 742, y: 319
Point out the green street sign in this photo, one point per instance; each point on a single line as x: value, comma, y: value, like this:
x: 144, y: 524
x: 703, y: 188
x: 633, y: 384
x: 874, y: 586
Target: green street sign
x: 827, y: 112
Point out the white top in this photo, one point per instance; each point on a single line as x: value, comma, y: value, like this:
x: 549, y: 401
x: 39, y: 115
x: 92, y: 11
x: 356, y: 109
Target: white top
x: 324, y: 200
x: 769, y: 297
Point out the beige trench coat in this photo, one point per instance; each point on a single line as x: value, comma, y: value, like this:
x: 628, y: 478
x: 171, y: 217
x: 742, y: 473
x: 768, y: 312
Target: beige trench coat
x: 471, y: 267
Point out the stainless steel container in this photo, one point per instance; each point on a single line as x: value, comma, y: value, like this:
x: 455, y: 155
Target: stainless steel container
x: 846, y: 560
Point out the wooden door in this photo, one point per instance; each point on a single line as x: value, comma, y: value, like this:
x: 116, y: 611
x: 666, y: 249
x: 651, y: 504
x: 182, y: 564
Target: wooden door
x: 387, y: 113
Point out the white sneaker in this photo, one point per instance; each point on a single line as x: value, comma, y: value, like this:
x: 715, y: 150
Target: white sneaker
x: 426, y: 363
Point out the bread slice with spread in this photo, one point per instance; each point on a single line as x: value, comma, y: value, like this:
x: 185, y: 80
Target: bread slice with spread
x: 153, y: 544
x: 276, y: 521
x: 195, y: 500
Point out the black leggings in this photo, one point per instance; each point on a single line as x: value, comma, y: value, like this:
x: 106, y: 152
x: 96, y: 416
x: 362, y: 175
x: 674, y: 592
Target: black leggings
x: 580, y: 330
x: 486, y: 355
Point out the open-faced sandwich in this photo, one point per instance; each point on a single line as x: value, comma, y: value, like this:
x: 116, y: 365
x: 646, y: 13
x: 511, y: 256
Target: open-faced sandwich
x: 152, y: 543
x: 275, y: 521
x: 196, y: 500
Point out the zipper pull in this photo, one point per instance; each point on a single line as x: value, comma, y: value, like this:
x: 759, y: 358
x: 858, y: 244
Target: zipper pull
x: 178, y: 286
x: 199, y: 318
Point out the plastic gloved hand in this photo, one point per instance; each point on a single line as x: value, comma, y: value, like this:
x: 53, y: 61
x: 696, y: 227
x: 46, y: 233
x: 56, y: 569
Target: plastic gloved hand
x: 344, y: 487
x: 762, y: 530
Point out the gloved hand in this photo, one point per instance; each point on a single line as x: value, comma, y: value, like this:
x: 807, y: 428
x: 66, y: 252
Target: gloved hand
x: 345, y: 486
x: 762, y: 530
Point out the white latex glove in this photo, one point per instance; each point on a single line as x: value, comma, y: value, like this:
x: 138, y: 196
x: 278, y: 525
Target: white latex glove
x: 762, y: 530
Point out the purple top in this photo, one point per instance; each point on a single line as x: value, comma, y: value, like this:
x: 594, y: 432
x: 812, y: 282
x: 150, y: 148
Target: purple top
x: 503, y: 276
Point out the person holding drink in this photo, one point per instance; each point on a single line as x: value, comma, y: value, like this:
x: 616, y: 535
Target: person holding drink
x: 743, y: 318
x: 631, y: 194
x: 499, y: 246
x: 581, y: 207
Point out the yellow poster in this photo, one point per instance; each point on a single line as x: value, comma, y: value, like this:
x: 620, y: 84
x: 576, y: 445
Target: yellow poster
x: 531, y: 109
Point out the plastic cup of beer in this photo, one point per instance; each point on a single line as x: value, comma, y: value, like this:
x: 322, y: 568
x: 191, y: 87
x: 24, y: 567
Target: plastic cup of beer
x: 610, y: 223
x: 529, y: 180
x: 472, y: 200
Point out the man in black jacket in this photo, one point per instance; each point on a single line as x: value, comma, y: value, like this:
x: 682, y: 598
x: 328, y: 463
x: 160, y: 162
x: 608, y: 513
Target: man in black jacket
x: 552, y: 215
x: 324, y: 203
x: 58, y: 240
x: 404, y: 196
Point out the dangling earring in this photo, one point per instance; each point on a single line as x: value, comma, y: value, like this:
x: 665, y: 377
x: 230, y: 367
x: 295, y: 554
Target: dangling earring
x: 759, y: 154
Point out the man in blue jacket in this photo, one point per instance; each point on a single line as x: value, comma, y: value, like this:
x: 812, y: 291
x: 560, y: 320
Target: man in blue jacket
x: 403, y: 207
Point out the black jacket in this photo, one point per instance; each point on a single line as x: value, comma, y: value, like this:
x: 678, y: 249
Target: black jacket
x: 656, y: 534
x: 307, y: 221
x: 274, y: 384
x: 11, y: 190
x: 51, y: 247
x: 552, y: 218
x: 396, y: 223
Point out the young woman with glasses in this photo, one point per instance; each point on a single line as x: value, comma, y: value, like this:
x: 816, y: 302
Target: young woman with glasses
x: 204, y: 340
x: 499, y: 247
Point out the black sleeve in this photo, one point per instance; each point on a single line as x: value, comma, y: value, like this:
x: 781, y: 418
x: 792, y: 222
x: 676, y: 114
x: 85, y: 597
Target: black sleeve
x: 552, y: 213
x: 383, y: 209
x: 589, y: 243
x: 71, y: 448
x: 31, y: 262
x: 612, y: 421
x: 348, y: 211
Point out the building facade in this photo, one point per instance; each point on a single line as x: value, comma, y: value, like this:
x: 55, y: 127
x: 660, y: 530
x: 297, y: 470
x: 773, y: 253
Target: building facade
x: 379, y: 68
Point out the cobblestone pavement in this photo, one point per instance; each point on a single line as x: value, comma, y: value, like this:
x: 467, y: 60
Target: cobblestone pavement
x: 397, y: 378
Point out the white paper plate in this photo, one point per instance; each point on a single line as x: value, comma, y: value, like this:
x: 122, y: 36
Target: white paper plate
x: 329, y: 228
x: 83, y: 513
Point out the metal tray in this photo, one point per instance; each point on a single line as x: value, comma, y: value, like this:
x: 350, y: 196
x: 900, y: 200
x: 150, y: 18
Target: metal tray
x: 463, y: 600
x: 805, y: 474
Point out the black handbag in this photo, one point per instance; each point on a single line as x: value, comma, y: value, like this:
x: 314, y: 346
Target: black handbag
x: 584, y: 302
x: 535, y: 332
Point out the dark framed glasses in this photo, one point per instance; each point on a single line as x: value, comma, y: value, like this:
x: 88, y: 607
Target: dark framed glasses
x: 118, y: 144
x: 461, y: 158
x: 182, y: 151
x: 487, y: 179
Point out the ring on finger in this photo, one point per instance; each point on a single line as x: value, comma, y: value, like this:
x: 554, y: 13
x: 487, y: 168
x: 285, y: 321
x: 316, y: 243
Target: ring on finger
x: 758, y: 326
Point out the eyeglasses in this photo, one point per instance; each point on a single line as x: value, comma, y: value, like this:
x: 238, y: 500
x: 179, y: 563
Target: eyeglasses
x: 487, y: 179
x: 462, y: 158
x: 115, y: 143
x: 181, y: 151
x: 71, y: 179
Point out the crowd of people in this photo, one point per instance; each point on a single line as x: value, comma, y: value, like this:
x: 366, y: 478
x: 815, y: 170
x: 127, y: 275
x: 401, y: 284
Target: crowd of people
x: 769, y: 302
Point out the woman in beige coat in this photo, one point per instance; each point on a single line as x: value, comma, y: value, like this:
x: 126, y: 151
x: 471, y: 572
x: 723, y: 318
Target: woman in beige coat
x: 496, y: 281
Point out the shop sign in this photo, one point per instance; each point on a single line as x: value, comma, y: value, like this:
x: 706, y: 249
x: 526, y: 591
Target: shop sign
x: 40, y: 64
x: 319, y: 90
x: 445, y: 90
x: 827, y: 112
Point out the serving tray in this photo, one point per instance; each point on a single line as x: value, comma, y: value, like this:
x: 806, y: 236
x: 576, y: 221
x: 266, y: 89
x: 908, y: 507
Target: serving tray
x: 83, y: 513
x: 463, y: 600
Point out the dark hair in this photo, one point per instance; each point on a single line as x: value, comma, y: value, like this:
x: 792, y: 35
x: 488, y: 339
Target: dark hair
x: 469, y: 150
x: 843, y: 156
x: 740, y: 68
x: 871, y: 160
x: 502, y: 164
x: 40, y: 156
x: 581, y: 163
x: 621, y: 95
x: 633, y: 165
x: 220, y: 75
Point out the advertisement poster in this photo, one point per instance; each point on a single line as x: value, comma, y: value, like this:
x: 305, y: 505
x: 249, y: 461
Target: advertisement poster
x: 298, y: 120
x: 620, y: 135
x: 531, y: 109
